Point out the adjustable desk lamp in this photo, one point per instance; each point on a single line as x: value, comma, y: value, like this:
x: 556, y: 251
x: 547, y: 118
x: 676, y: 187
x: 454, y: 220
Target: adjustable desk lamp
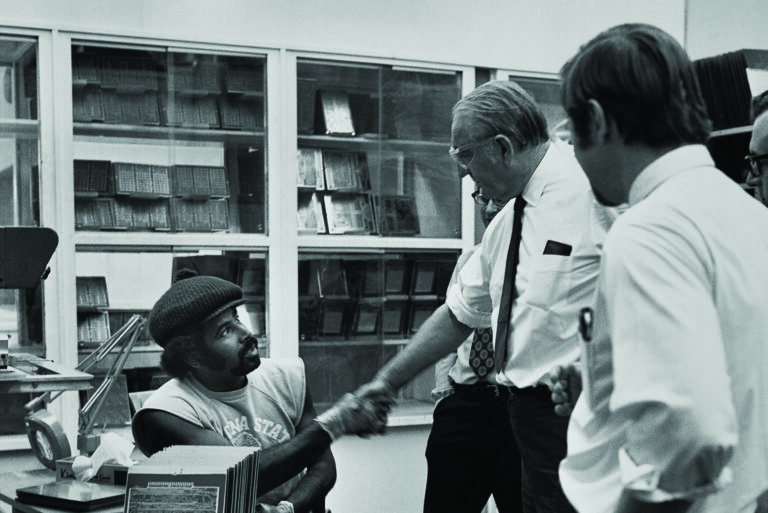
x: 24, y: 256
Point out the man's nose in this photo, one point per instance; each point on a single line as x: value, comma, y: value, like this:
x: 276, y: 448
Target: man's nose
x: 245, y: 333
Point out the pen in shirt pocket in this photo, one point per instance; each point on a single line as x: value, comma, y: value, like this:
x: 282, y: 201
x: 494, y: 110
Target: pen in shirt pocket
x: 585, y: 323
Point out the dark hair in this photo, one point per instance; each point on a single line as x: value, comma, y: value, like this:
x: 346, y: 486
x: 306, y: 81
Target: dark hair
x: 645, y: 83
x: 503, y: 107
x: 759, y: 105
x: 174, y: 357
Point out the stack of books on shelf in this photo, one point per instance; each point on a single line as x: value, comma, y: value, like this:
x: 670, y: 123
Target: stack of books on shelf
x: 131, y: 196
x: 243, y: 80
x: 200, y: 182
x: 141, y: 180
x: 118, y: 318
x: 397, y: 280
x: 337, y: 114
x: 429, y: 284
x: 200, y: 216
x: 199, y: 94
x: 363, y: 297
x: 397, y: 215
x: 190, y: 112
x: 92, y: 178
x: 241, y: 113
x: 334, y: 192
x: 215, y: 479
x: 92, y: 319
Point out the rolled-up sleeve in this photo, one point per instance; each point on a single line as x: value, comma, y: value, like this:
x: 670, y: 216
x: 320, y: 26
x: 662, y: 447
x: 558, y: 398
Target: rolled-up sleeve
x: 468, y: 297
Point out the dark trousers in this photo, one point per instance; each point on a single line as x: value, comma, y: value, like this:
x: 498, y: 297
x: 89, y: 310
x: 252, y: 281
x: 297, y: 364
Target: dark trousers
x: 540, y: 436
x: 471, y: 455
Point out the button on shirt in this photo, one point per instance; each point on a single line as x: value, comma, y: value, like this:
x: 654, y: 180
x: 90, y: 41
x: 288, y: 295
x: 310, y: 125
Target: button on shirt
x: 552, y: 288
x: 677, y: 388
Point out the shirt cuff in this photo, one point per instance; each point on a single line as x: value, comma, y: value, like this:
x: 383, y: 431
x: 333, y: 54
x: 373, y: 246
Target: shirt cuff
x: 441, y: 393
x: 463, y: 312
x: 642, y: 481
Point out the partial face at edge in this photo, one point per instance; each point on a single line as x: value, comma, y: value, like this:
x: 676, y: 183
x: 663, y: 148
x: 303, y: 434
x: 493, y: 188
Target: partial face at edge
x: 758, y: 145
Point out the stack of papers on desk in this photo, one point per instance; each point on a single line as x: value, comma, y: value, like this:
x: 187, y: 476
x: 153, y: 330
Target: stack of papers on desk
x: 210, y: 479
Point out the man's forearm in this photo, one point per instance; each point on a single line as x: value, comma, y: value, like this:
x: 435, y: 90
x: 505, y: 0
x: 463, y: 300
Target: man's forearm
x: 315, y: 484
x: 438, y: 336
x: 283, y: 461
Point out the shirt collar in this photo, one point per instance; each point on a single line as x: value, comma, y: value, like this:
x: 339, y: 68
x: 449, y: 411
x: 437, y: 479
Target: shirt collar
x: 538, y: 180
x: 665, y: 167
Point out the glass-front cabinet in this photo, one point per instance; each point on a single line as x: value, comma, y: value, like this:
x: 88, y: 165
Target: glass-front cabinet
x: 21, y: 297
x: 167, y: 142
x: 372, y: 162
x: 169, y: 173
x: 372, y: 153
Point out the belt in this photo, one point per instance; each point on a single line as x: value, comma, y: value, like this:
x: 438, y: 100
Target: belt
x: 482, y: 389
x: 490, y: 390
x: 540, y: 391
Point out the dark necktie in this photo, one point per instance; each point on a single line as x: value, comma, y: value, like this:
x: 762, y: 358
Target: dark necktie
x: 481, y: 353
x: 509, y: 292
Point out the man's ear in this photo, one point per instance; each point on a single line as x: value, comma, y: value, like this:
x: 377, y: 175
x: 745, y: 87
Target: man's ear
x: 505, y: 147
x: 599, y: 124
x: 193, y: 359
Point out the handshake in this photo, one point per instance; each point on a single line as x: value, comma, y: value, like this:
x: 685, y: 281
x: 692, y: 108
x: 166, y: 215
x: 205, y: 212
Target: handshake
x: 362, y: 413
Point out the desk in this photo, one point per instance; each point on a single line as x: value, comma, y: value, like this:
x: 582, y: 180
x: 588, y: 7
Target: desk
x: 30, y: 374
x: 11, y: 481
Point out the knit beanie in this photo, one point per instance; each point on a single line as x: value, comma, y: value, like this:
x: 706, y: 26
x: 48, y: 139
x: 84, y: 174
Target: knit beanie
x: 191, y: 301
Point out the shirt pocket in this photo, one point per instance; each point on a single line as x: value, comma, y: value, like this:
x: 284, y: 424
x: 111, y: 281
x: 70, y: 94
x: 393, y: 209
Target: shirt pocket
x: 549, y: 283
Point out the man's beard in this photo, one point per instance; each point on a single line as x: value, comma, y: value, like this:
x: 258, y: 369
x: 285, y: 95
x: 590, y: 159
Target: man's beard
x: 246, y: 364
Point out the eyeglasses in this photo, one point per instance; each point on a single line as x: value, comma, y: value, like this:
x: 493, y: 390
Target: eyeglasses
x: 479, y: 198
x: 757, y: 163
x: 485, y: 200
x: 463, y: 156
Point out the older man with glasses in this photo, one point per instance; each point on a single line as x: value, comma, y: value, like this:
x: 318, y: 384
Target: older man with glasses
x: 535, y: 269
x: 757, y: 160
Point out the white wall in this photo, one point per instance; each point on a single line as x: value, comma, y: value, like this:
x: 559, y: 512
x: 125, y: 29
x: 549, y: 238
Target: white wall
x: 515, y: 34
x: 381, y: 474
x: 715, y: 26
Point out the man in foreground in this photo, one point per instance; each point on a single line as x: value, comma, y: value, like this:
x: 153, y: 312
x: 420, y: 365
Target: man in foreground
x: 674, y: 407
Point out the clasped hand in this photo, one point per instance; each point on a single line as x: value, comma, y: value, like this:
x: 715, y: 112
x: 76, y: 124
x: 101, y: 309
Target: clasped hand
x: 355, y: 415
x: 565, y: 384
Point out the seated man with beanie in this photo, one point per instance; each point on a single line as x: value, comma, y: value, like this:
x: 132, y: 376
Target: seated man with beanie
x: 223, y: 393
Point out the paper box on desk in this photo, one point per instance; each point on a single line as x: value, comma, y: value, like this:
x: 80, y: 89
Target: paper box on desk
x: 109, y: 473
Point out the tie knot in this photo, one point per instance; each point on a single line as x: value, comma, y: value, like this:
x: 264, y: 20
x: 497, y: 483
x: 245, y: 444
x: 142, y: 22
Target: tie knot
x: 519, y: 203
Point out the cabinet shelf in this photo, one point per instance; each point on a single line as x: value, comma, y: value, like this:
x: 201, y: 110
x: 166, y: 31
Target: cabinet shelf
x: 20, y: 128
x: 368, y: 143
x: 101, y: 240
x: 365, y: 341
x: 154, y: 132
x: 375, y: 243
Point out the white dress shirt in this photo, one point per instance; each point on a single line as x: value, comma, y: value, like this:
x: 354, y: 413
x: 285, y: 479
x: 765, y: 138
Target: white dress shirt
x: 675, y: 377
x: 552, y: 288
